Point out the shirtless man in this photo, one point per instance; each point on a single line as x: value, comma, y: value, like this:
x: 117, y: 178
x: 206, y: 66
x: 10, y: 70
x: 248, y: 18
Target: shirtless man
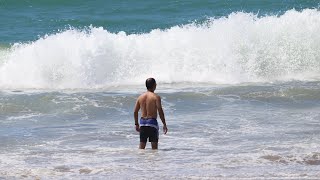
x: 150, y: 104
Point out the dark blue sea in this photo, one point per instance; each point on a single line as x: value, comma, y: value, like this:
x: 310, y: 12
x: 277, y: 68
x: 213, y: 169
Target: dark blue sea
x: 239, y: 81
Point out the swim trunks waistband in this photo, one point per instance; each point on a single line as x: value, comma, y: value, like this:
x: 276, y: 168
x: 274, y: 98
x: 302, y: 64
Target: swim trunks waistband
x: 152, y: 122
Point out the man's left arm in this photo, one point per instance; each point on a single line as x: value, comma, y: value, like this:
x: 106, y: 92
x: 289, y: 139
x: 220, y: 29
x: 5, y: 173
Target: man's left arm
x: 135, y: 115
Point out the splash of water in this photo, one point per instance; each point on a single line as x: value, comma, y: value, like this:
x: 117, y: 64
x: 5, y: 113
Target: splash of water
x: 235, y: 49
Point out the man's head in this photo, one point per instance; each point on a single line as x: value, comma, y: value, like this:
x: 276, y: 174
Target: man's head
x: 151, y: 84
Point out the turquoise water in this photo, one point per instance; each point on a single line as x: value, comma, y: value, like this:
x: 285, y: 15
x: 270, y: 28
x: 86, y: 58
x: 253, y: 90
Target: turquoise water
x: 239, y: 82
x: 28, y: 20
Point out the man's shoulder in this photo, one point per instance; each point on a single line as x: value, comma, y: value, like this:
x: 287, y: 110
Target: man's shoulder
x: 142, y: 95
x: 149, y: 95
x: 157, y: 96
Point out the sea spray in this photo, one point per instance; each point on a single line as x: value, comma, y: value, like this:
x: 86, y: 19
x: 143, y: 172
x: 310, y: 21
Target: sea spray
x: 234, y: 49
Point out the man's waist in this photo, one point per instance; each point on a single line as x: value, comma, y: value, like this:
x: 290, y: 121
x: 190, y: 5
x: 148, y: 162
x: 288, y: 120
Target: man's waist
x: 148, y: 118
x: 149, y: 122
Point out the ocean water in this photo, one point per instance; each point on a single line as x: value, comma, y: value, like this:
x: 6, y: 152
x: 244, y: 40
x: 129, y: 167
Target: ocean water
x: 239, y: 81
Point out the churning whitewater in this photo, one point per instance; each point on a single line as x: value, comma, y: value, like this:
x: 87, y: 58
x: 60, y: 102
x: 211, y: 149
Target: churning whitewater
x: 238, y: 48
x: 239, y: 85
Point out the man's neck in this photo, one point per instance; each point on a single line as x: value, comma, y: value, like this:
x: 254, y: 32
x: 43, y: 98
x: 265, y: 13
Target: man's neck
x: 151, y: 91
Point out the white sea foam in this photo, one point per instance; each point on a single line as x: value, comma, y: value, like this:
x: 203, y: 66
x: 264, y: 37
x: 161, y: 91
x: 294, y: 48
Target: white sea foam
x: 235, y: 49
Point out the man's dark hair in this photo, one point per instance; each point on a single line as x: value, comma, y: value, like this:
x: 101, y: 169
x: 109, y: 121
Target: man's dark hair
x: 150, y: 82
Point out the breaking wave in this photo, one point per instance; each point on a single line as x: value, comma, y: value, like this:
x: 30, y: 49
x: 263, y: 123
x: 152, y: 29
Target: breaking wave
x: 241, y: 47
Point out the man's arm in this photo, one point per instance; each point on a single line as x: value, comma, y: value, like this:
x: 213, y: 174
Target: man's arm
x: 161, y: 114
x: 135, y: 115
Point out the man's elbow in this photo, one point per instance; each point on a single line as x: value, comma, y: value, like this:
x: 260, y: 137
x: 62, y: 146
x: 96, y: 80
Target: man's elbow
x: 160, y: 111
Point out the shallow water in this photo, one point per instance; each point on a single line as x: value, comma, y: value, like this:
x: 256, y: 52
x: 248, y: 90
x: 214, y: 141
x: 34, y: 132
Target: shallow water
x: 244, y: 131
x: 239, y: 82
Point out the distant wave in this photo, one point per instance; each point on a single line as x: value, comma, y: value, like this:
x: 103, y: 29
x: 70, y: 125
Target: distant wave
x: 234, y: 49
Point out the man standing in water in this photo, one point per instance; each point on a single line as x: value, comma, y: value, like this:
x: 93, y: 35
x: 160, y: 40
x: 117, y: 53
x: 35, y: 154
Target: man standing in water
x: 150, y: 104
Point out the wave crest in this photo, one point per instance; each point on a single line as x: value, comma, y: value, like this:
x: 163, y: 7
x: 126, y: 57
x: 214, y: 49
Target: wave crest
x: 235, y: 49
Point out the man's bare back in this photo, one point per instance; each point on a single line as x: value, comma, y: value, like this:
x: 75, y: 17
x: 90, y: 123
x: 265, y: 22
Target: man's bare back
x: 150, y: 105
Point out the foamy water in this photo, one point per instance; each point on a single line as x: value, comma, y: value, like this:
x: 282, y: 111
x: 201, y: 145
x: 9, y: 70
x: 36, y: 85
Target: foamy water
x: 241, y: 96
x: 238, y: 48
x: 245, y: 131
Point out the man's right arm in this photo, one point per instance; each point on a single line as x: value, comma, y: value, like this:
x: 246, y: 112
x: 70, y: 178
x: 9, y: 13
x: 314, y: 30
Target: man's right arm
x: 161, y: 114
